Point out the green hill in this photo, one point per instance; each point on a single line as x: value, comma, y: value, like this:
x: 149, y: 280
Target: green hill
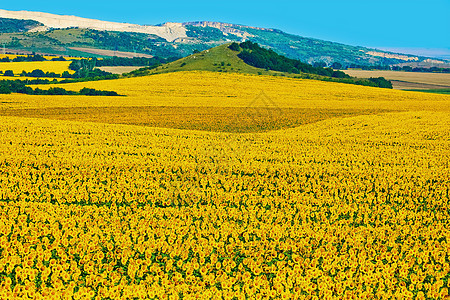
x: 218, y: 59
x: 224, y: 59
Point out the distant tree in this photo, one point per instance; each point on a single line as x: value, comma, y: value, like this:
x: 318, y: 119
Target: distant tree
x: 58, y: 59
x: 66, y: 74
x: 4, y: 89
x: 37, y: 57
x: 407, y: 69
x: 381, y: 82
x: 336, y: 66
x: 93, y: 92
x: 235, y: 47
x: 196, y: 51
x: 57, y: 91
x: 37, y: 73
x: 339, y: 74
x: 9, y: 73
x: 249, y: 45
x: 319, y: 64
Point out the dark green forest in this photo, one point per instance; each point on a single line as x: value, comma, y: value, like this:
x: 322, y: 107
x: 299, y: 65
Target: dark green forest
x: 19, y: 86
x: 13, y: 25
x: 256, y: 56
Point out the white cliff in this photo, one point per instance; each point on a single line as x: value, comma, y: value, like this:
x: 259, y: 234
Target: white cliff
x: 168, y: 31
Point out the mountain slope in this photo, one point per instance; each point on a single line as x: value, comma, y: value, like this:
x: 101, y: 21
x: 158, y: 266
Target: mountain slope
x: 168, y: 31
x: 57, y: 35
x: 13, y: 25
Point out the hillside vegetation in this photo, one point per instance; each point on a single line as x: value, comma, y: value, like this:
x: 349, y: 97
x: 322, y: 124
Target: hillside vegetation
x: 14, y: 26
x: 60, y: 42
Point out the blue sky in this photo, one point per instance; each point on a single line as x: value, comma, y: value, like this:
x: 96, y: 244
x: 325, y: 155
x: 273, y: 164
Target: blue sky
x: 394, y: 24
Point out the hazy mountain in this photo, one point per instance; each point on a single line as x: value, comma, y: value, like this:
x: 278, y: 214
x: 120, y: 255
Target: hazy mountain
x: 72, y: 35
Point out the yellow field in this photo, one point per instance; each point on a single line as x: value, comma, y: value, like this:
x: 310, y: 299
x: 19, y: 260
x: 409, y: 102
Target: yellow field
x: 12, y: 56
x: 47, y: 66
x: 350, y: 201
x: 205, y: 89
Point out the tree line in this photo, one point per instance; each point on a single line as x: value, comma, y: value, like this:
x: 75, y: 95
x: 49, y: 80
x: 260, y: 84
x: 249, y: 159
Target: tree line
x: 31, y: 58
x: 256, y: 56
x: 19, y: 86
x: 86, y: 75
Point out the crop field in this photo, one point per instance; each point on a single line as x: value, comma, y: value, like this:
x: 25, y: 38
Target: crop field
x: 48, y: 57
x: 200, y: 185
x: 26, y: 78
x: 206, y: 89
x: 47, y: 66
x: 111, y: 53
x: 407, y: 80
x: 120, y: 70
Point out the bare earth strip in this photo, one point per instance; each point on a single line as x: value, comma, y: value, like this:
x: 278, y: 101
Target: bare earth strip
x: 404, y: 85
x: 119, y: 70
x: 410, y: 80
x: 110, y: 52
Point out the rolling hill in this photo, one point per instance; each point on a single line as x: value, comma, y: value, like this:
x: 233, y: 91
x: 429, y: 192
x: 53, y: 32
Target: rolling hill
x: 243, y: 58
x: 70, y: 35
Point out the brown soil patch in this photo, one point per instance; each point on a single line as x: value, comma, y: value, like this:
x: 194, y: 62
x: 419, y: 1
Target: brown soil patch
x: 111, y: 52
x: 119, y: 70
x: 404, y: 85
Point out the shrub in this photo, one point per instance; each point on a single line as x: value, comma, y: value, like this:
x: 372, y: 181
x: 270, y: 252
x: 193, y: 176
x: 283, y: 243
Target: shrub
x: 235, y: 47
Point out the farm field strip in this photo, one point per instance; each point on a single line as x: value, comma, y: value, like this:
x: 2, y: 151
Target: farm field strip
x: 47, y: 66
x: 120, y: 70
x: 405, y: 85
x: 433, y: 79
x: 111, y: 53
